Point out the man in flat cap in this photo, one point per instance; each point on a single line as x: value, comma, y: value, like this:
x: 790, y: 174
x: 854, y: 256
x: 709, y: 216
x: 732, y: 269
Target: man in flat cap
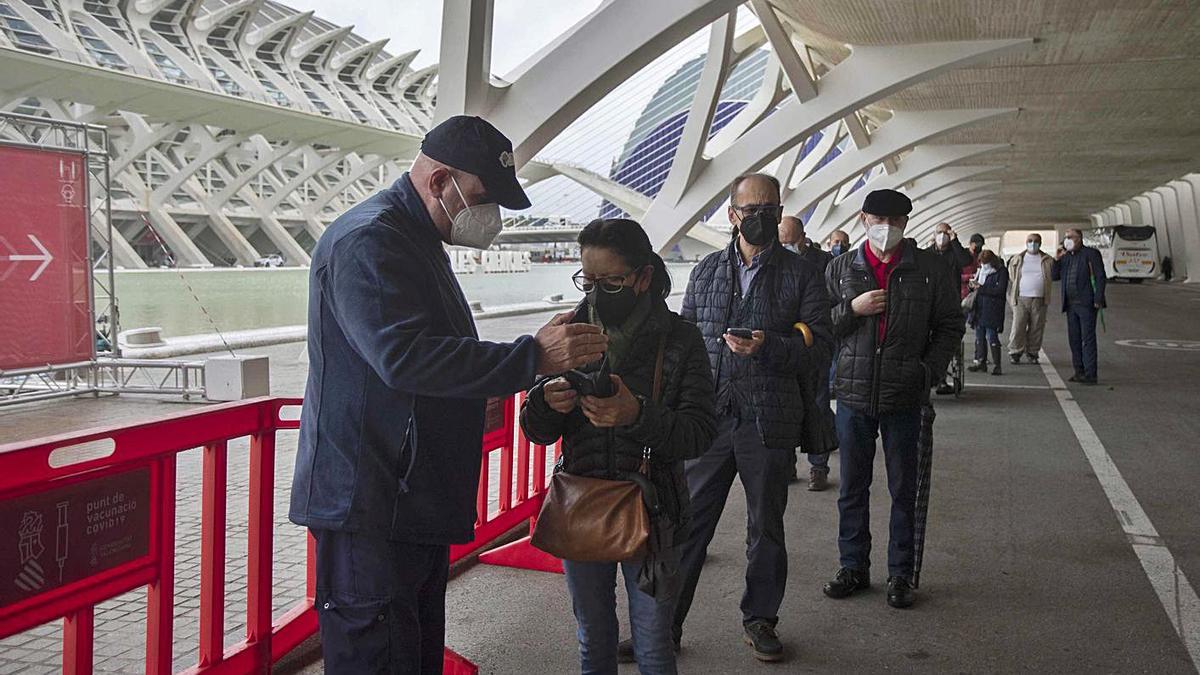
x: 391, y: 432
x: 897, y: 321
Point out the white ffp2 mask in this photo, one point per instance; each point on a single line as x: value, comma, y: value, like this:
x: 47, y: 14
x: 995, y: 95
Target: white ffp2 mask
x: 885, y: 237
x: 474, y: 226
x: 942, y: 239
x: 1069, y: 244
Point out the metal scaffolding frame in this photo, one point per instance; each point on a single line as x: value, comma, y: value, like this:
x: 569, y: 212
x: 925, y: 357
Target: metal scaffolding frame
x: 106, y: 372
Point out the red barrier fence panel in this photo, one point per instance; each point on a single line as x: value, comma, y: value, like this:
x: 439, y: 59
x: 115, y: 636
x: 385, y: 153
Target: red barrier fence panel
x: 94, y: 515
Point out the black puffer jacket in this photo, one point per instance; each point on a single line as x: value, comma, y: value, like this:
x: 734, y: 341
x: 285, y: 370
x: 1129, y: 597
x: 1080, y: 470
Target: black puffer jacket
x: 785, y: 291
x: 681, y: 426
x: 924, y: 328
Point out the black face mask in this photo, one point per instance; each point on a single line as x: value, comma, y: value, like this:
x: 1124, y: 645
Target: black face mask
x: 613, y: 308
x: 759, y: 228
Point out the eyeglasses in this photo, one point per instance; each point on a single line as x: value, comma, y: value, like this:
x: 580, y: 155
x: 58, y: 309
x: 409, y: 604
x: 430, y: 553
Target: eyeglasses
x: 765, y: 209
x: 609, y: 284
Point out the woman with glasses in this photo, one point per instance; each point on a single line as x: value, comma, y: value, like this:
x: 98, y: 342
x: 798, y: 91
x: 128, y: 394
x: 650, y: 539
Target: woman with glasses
x: 626, y: 285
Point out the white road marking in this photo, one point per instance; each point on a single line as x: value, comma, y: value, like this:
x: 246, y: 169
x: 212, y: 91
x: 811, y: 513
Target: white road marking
x: 1176, y: 594
x: 1007, y: 386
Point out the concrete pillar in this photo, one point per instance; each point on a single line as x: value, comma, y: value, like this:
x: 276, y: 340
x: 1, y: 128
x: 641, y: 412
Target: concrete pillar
x: 1174, y: 216
x: 1125, y: 212
x: 1141, y: 210
x: 1188, y: 190
x: 1158, y: 218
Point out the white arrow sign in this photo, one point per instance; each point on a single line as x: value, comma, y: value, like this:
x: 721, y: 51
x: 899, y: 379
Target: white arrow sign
x: 44, y: 257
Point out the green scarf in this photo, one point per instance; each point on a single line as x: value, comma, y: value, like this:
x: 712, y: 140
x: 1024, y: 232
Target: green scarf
x: 621, y: 338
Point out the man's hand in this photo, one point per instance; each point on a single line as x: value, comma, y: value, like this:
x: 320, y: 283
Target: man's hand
x: 744, y: 347
x: 870, y: 303
x: 1060, y: 253
x: 563, y: 345
x: 560, y: 396
x: 1097, y: 306
x: 618, y: 410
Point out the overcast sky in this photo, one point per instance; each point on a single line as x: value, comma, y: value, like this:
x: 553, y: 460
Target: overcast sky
x: 521, y: 27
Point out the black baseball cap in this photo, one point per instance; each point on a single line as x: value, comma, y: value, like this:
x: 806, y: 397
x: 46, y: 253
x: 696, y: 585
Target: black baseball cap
x: 885, y: 203
x: 471, y: 144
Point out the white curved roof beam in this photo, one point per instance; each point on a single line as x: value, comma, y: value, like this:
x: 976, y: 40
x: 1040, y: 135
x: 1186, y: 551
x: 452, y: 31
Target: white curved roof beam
x: 868, y: 75
x: 923, y: 170
x: 689, y: 159
x: 904, y: 131
x: 558, y: 84
x: 926, y: 217
x: 794, y: 68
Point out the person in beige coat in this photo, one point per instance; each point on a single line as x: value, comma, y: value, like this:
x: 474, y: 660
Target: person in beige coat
x: 1028, y: 293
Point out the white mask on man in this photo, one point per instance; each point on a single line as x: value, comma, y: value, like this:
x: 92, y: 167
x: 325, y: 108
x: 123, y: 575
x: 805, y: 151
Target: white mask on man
x: 1069, y: 244
x: 942, y: 239
x: 885, y: 237
x: 474, y: 226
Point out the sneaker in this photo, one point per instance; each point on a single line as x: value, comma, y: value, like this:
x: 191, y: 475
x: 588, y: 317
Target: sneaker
x: 818, y: 480
x: 847, y: 582
x: 977, y: 367
x: 1032, y: 358
x: 1016, y: 358
x: 762, y: 637
x: 899, y: 592
x: 625, y: 651
x: 944, y: 389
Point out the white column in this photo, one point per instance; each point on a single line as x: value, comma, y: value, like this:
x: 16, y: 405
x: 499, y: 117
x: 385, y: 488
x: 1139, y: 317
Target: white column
x: 1162, y: 226
x: 1188, y: 190
x: 1174, y: 215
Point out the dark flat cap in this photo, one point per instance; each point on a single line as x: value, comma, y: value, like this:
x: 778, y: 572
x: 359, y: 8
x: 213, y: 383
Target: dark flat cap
x: 886, y: 203
x: 473, y: 145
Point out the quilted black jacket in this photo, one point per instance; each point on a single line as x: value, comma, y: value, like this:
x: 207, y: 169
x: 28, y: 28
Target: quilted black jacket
x: 785, y: 291
x: 681, y: 426
x: 924, y: 329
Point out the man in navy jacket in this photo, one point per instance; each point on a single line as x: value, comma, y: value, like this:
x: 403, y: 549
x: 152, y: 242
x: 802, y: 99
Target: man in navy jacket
x: 390, y: 436
x: 1081, y: 270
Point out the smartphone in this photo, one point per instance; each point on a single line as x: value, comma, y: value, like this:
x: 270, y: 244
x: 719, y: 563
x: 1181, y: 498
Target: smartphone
x: 743, y: 333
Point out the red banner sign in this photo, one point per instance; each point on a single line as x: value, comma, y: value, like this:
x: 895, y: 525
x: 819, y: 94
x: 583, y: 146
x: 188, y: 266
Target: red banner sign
x: 57, y: 537
x: 45, y: 275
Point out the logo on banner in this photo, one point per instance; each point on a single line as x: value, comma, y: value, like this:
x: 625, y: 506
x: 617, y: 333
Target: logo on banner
x: 31, y: 576
x: 68, y: 179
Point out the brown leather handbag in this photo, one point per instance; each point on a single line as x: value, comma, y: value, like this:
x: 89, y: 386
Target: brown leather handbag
x: 595, y: 519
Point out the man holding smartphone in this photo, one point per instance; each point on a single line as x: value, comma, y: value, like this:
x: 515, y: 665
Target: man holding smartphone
x: 747, y: 300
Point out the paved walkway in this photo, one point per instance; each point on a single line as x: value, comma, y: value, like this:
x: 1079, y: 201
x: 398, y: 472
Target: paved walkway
x: 1029, y: 568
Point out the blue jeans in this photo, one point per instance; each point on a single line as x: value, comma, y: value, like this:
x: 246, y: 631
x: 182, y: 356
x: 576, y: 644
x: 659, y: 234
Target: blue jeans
x: 856, y: 435
x: 1081, y: 331
x: 983, y: 338
x: 593, y: 596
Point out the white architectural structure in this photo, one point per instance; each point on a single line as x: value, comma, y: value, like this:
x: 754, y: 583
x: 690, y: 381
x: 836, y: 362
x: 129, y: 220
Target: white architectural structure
x: 241, y: 127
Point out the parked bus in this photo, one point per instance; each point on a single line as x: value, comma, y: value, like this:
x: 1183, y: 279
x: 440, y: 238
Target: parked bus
x: 1129, y: 251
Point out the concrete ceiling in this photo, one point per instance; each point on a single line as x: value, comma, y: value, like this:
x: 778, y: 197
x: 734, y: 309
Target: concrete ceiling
x: 1109, y: 96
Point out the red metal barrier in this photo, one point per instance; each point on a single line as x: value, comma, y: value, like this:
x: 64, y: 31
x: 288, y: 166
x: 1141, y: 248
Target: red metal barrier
x: 117, y: 486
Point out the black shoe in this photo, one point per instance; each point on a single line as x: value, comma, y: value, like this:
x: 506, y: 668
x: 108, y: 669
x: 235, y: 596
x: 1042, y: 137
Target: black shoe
x: 978, y: 367
x: 818, y: 479
x: 996, y: 370
x: 1016, y: 358
x: 944, y: 389
x: 793, y: 477
x: 762, y: 637
x: 1075, y: 378
x: 899, y: 593
x: 1087, y: 380
x: 847, y: 582
x: 996, y: 360
x: 1032, y: 358
x: 625, y: 651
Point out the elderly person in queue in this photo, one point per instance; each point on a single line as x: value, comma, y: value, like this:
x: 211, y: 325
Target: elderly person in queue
x: 839, y: 243
x: 626, y: 285
x: 987, y: 317
x: 947, y: 247
x: 897, y: 320
x: 390, y: 438
x: 764, y: 316
x: 1081, y: 270
x: 793, y: 238
x: 1030, y: 275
